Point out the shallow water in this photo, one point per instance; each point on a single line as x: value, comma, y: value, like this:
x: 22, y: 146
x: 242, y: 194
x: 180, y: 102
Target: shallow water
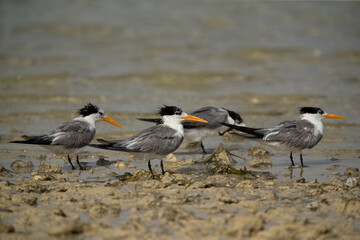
x: 262, y: 60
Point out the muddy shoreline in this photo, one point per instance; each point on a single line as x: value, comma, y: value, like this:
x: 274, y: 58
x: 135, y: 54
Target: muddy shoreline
x: 194, y: 199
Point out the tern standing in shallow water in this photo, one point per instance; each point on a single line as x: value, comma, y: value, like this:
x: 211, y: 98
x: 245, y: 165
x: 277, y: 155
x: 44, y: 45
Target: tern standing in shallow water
x: 156, y: 141
x: 198, y: 131
x: 73, y: 135
x: 295, y: 135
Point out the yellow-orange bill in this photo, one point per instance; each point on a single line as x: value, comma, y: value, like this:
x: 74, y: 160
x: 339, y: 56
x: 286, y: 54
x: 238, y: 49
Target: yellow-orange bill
x: 109, y: 120
x: 193, y: 118
x: 329, y: 115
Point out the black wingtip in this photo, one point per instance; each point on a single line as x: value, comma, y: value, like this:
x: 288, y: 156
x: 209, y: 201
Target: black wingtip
x: 27, y: 139
x: 103, y: 141
x: 102, y: 146
x: 153, y: 120
x: 252, y: 131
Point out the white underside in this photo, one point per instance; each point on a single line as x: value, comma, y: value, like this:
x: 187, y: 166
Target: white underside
x: 146, y: 156
x: 197, y: 135
x: 60, y: 150
x: 279, y: 147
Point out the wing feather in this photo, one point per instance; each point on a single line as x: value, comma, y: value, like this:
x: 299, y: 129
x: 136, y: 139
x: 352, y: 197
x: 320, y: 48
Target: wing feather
x: 212, y: 114
x: 71, y: 134
x: 294, y: 134
x: 158, y: 139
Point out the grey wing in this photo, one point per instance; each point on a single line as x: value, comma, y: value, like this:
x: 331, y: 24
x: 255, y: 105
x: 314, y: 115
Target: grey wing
x: 212, y: 114
x: 73, y: 134
x: 157, y: 139
x: 294, y: 134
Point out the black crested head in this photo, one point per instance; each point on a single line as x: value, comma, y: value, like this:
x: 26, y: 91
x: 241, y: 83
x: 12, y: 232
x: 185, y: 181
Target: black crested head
x: 88, y: 110
x: 170, y: 110
x: 237, y: 118
x: 311, y: 110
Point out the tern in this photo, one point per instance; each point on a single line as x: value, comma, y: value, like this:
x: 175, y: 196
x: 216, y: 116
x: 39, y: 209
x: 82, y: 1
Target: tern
x: 198, y: 131
x: 73, y: 135
x: 295, y: 135
x: 156, y: 141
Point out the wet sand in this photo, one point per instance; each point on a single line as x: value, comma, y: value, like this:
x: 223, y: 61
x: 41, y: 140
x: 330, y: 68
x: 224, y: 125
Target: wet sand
x: 259, y: 59
x: 194, y: 199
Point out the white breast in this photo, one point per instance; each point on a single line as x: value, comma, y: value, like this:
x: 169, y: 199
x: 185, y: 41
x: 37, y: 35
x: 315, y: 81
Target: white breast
x: 315, y: 119
x: 174, y: 122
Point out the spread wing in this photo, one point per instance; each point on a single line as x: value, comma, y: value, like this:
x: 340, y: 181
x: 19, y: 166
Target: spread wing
x: 294, y: 134
x: 158, y: 139
x: 212, y: 114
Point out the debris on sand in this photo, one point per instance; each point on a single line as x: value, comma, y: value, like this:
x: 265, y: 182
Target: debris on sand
x: 4, y: 173
x: 221, y: 161
x: 260, y: 158
x: 6, y: 228
x: 48, y: 168
x: 103, y: 162
x: 222, y: 156
x: 351, y: 172
x: 120, y: 165
x: 20, y: 166
x: 65, y: 228
x: 171, y: 158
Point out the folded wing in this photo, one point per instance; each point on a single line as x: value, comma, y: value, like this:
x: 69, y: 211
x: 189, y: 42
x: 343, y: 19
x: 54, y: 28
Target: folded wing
x: 158, y: 139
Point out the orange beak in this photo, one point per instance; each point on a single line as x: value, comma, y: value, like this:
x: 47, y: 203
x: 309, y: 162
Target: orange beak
x: 329, y: 115
x: 109, y: 120
x: 193, y: 118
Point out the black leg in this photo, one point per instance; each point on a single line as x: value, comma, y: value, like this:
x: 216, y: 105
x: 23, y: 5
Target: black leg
x: 162, y: 167
x: 202, y: 147
x: 301, y: 159
x: 69, y: 159
x: 149, y: 165
x: 227, y: 130
x: 291, y: 158
x: 77, y: 161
